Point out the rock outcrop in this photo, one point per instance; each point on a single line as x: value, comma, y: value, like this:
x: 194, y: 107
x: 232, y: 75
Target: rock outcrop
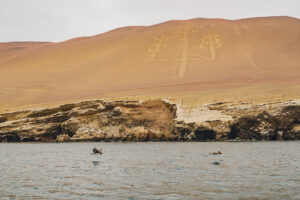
x: 152, y: 120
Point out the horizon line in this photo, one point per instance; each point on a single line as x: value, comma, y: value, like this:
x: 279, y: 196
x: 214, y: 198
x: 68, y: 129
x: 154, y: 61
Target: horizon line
x: 130, y: 26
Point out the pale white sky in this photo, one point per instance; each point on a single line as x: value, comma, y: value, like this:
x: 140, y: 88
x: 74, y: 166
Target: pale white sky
x: 58, y: 20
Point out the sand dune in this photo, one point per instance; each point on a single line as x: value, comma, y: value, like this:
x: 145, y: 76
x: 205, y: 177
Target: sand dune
x: 201, y: 54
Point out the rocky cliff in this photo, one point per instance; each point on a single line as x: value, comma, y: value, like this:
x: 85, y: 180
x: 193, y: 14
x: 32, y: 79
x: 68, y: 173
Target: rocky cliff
x: 152, y: 120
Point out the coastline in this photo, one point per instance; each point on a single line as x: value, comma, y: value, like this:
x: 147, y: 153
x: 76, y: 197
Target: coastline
x: 152, y: 120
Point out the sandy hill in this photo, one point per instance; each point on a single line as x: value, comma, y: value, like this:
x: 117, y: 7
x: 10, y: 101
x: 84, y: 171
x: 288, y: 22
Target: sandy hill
x: 172, y: 58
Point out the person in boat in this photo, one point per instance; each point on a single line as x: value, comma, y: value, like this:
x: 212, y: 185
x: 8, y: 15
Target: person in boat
x: 97, y: 151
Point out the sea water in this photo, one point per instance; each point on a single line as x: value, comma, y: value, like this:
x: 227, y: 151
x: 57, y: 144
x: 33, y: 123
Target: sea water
x: 151, y: 170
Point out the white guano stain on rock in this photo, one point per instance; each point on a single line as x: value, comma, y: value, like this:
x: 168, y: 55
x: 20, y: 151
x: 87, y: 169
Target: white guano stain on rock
x: 200, y: 114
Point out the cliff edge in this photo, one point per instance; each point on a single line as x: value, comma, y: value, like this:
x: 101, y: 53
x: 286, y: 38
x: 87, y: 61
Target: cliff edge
x: 152, y: 120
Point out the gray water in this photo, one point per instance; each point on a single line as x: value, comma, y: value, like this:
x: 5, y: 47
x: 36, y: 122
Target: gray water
x: 254, y: 170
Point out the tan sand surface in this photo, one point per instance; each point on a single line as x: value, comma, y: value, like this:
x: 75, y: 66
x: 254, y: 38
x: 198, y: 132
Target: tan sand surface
x: 198, y: 60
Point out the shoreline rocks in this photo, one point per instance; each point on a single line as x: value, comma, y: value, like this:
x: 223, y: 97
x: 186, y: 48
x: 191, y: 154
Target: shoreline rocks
x: 152, y: 120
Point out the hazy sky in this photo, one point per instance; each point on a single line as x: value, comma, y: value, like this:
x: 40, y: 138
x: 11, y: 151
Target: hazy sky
x: 57, y: 20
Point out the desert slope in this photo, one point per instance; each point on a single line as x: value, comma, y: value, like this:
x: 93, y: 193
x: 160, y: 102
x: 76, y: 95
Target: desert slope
x: 175, y: 57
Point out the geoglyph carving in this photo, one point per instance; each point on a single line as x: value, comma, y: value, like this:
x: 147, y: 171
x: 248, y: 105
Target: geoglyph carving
x: 184, y: 51
x: 159, y: 44
x: 209, y: 42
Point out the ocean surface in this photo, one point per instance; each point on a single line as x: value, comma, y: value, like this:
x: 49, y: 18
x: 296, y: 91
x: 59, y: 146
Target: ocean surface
x: 152, y: 170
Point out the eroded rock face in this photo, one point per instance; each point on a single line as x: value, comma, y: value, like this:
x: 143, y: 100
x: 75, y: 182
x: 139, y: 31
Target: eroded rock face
x: 152, y: 120
x: 260, y: 127
x: 88, y: 133
x: 92, y: 121
x: 63, y: 138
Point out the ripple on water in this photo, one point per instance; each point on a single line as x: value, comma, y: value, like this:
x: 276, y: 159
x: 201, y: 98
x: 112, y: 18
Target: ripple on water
x: 267, y: 170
